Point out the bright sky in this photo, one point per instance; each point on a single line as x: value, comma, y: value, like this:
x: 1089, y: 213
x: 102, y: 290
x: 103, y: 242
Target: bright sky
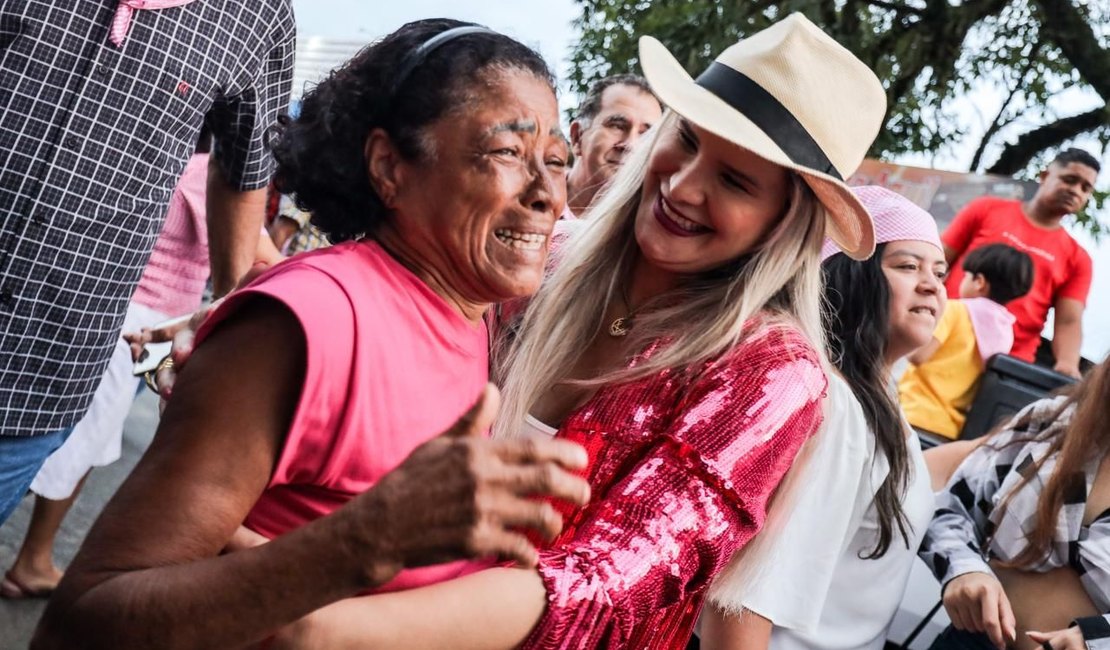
x: 544, y: 26
x: 547, y: 27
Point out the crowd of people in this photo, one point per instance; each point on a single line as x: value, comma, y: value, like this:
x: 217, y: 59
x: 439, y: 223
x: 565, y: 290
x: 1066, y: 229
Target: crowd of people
x: 485, y: 384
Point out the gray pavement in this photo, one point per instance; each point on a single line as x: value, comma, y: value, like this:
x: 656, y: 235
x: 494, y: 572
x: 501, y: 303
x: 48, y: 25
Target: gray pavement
x: 18, y: 618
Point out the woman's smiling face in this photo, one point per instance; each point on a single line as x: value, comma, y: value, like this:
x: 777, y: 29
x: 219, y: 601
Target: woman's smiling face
x: 705, y: 201
x: 915, y: 271
x: 481, y: 204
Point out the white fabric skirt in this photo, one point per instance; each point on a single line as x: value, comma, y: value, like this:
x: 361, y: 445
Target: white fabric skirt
x: 97, y: 438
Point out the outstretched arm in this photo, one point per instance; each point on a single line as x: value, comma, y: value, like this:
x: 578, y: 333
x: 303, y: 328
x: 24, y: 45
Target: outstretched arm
x: 489, y: 610
x: 652, y: 540
x: 632, y: 556
x: 149, y: 574
x: 150, y: 563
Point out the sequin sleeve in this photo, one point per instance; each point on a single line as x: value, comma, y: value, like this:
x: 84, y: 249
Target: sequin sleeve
x: 693, y: 497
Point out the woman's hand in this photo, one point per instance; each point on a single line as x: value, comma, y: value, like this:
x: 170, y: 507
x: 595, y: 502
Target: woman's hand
x: 1067, y: 639
x: 182, y: 333
x: 976, y: 602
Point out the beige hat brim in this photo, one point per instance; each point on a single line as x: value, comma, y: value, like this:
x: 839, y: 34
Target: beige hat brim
x: 849, y: 224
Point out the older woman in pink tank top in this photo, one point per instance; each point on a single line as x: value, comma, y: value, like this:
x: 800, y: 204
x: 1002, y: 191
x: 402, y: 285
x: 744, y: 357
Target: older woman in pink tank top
x: 312, y: 409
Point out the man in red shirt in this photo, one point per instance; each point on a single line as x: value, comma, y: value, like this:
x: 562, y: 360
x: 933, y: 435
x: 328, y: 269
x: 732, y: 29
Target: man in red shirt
x: 1062, y: 269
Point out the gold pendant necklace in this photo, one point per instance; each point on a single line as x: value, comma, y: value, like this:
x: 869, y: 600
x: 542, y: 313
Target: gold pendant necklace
x: 622, y: 324
x: 619, y: 327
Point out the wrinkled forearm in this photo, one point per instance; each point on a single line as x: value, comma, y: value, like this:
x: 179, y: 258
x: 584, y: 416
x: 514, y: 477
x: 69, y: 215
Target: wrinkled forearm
x: 226, y: 601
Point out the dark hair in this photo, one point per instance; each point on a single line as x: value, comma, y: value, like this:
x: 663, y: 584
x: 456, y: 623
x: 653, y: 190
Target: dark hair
x: 320, y: 158
x: 1073, y: 155
x: 857, y: 326
x: 1008, y: 271
x: 591, y: 105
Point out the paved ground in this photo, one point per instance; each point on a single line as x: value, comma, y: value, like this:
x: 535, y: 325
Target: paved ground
x: 18, y: 618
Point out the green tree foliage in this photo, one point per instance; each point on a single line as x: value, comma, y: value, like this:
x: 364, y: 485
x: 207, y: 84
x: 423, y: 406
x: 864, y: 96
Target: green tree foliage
x: 928, y: 54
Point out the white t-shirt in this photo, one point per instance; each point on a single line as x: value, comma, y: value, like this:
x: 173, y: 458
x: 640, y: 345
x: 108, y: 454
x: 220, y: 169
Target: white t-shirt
x: 533, y: 428
x: 817, y: 591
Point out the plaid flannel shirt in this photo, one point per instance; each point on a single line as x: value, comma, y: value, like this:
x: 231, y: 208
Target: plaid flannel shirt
x: 93, y: 138
x: 968, y: 514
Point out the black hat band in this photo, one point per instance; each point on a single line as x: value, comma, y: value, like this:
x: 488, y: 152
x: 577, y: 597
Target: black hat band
x: 749, y: 98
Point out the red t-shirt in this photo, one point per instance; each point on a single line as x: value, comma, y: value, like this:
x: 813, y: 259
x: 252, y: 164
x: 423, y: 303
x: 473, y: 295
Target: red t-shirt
x: 1062, y: 269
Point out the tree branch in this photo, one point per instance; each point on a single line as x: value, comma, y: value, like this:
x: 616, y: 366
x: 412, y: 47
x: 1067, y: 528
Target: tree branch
x: 1016, y: 156
x: 896, y: 8
x: 998, y: 122
x: 1066, y: 27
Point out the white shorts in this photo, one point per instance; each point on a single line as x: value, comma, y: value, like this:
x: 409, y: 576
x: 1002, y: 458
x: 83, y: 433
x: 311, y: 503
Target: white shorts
x: 97, y: 438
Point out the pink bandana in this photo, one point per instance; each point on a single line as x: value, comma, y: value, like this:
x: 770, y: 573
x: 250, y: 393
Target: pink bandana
x: 121, y: 22
x: 896, y: 218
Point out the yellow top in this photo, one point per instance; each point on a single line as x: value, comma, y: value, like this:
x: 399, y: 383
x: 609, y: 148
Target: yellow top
x: 936, y: 395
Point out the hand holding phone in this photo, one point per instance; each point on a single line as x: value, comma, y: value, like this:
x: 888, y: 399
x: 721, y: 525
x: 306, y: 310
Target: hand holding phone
x: 152, y: 344
x: 150, y: 357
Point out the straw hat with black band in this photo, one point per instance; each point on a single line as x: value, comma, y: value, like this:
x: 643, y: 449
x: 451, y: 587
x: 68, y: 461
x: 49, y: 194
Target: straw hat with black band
x: 793, y: 96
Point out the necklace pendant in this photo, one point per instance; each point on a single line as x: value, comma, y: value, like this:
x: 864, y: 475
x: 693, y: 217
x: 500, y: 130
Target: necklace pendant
x: 618, y: 327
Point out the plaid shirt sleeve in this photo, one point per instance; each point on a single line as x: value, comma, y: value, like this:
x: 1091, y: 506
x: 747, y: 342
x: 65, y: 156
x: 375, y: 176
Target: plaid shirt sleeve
x: 954, y: 542
x: 1094, y: 560
x: 952, y: 545
x: 239, y: 120
x: 1096, y: 631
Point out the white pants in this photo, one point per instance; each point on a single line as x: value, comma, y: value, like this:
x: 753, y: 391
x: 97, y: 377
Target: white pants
x: 97, y: 438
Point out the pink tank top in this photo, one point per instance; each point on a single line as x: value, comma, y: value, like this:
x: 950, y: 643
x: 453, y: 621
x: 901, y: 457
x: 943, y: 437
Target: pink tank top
x: 389, y: 365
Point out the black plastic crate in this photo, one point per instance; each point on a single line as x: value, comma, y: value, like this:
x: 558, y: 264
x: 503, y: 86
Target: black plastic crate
x: 1008, y: 385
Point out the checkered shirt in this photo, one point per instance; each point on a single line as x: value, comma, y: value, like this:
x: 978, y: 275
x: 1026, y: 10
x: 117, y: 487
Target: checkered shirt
x: 93, y: 138
x: 967, y: 513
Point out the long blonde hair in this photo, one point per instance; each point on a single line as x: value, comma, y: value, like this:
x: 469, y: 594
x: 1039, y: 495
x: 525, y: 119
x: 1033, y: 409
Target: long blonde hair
x: 703, y: 318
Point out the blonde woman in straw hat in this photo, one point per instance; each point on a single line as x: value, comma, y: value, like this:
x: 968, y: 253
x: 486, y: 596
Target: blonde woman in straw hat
x: 678, y: 339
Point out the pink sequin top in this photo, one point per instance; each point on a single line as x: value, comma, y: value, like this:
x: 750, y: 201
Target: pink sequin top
x: 682, y: 466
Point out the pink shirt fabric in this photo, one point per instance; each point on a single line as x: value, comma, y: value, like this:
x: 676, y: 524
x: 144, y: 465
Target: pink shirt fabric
x: 993, y: 325
x: 174, y: 279
x: 390, y: 365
